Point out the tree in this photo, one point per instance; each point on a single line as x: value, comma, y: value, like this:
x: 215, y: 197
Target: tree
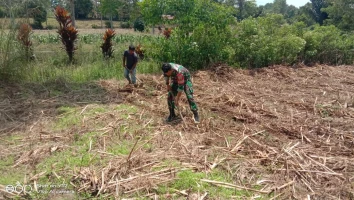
x: 83, y: 8
x: 72, y: 9
x: 201, y: 30
x: 318, y: 15
x: 38, y: 12
x: 12, y: 8
x: 152, y: 11
x: 245, y: 9
x: 110, y: 8
x: 305, y: 15
x: 280, y: 7
x: 341, y: 14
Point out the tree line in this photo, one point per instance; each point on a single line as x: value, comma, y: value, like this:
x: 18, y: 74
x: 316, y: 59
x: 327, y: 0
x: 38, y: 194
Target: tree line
x: 339, y: 13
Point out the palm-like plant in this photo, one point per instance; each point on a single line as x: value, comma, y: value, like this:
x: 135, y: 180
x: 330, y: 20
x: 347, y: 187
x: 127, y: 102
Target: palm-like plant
x: 107, y: 47
x: 23, y: 36
x: 67, y: 32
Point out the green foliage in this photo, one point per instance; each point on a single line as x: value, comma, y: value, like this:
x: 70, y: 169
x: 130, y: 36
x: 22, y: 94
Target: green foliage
x: 38, y: 12
x: 9, y: 61
x: 108, y: 24
x: 201, y: 35
x: 317, y: 10
x: 326, y: 44
x: 83, y: 8
x: 2, y: 12
x: 267, y: 41
x: 305, y: 15
x: 189, y: 180
x: 126, y: 25
x: 341, y: 14
x: 245, y: 9
x: 152, y: 10
x: 139, y: 25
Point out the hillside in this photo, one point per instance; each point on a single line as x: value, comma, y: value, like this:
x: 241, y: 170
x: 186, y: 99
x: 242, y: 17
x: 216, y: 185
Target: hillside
x: 276, y: 132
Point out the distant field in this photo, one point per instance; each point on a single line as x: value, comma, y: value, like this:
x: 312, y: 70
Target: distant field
x: 84, y: 26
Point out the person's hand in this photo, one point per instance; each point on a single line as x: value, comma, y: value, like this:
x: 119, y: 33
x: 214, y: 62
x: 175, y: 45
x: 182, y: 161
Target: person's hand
x: 168, y: 88
x: 131, y: 71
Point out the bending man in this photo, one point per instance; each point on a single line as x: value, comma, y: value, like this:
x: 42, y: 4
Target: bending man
x: 181, y: 81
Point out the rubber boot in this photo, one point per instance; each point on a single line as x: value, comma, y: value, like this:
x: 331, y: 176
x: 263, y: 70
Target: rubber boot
x: 172, y: 116
x: 196, y: 116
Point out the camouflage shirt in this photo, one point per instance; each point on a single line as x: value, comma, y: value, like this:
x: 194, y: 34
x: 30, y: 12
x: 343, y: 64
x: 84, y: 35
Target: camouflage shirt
x: 180, y: 76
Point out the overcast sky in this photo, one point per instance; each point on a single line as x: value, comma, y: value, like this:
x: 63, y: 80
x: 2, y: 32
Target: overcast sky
x: 296, y: 3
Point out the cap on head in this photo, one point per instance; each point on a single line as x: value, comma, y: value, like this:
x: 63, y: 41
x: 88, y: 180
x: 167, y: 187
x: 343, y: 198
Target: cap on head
x: 166, y: 67
x: 131, y: 47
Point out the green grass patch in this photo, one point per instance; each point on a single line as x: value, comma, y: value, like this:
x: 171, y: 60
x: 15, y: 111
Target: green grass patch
x: 124, y: 110
x: 69, y: 117
x: 122, y: 148
x: 10, y: 175
x: 77, y: 156
x: 191, y: 180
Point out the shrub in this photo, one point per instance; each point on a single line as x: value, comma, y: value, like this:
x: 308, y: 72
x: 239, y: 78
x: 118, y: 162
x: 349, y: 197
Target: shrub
x: 267, y: 41
x: 38, y: 13
x: 327, y: 44
x: 139, y: 25
x: 108, y: 24
x: 50, y: 27
x: 126, y: 25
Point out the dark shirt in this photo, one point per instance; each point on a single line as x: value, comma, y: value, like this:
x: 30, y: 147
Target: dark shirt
x: 130, y: 59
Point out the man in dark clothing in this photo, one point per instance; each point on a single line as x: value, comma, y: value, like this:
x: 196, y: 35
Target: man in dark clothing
x: 181, y: 81
x: 130, y: 60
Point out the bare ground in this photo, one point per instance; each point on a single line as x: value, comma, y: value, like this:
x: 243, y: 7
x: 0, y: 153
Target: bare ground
x: 278, y: 132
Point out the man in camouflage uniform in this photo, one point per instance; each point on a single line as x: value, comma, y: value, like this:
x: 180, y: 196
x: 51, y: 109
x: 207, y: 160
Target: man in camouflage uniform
x: 181, y: 81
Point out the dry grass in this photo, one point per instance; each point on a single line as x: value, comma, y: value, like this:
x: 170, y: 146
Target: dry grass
x: 280, y: 131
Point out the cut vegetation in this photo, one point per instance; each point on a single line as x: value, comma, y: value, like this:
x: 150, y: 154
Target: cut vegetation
x: 275, y: 132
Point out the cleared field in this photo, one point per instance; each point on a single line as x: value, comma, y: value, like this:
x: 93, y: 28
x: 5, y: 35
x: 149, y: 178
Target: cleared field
x: 277, y: 132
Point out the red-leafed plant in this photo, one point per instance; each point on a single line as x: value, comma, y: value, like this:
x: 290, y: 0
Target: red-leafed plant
x: 67, y: 32
x: 139, y: 50
x: 24, y: 37
x: 107, y: 47
x: 167, y: 32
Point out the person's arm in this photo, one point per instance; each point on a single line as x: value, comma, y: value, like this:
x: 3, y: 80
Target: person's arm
x: 167, y: 81
x: 180, y: 89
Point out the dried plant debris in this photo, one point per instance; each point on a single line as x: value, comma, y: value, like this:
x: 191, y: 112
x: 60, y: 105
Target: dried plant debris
x: 277, y: 132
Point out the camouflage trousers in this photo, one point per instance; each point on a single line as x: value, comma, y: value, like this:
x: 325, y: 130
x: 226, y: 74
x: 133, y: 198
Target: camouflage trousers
x: 188, y: 90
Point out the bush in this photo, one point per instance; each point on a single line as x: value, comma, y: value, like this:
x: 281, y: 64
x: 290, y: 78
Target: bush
x: 200, y: 38
x: 2, y: 12
x: 267, y: 41
x: 126, y: 25
x: 139, y: 25
x: 327, y: 44
x: 37, y: 25
x: 94, y: 26
x: 108, y: 24
x: 50, y: 27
